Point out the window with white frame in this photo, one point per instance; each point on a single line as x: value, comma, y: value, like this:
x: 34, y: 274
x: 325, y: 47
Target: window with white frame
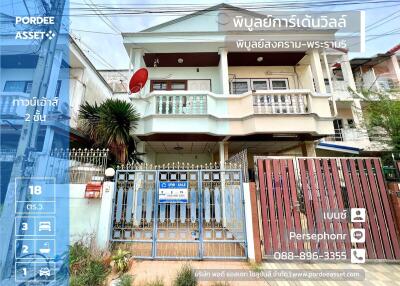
x: 279, y: 84
x: 239, y: 86
x: 259, y: 84
x: 25, y: 86
x: 18, y: 86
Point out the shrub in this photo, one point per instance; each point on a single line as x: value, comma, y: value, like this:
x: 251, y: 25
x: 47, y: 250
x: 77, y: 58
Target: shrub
x: 86, y: 266
x: 95, y: 273
x: 185, y: 276
x: 256, y: 267
x: 155, y: 282
x: 121, y: 260
x: 125, y: 280
x: 78, y: 257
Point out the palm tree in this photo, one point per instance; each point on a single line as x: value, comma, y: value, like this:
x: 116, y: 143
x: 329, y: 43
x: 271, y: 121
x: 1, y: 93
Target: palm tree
x: 90, y: 117
x: 110, y: 124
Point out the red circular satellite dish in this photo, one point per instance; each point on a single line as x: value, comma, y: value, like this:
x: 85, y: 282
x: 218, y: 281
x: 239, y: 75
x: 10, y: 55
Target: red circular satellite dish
x: 138, y: 80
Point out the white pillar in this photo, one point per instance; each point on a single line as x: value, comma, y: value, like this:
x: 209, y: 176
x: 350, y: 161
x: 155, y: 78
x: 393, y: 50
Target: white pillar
x: 331, y: 89
x: 51, y: 93
x: 223, y: 153
x: 135, y: 61
x: 328, y: 72
x: 249, y: 222
x: 316, y: 69
x: 141, y: 148
x: 347, y: 72
x: 356, y: 111
x: 104, y: 227
x: 308, y: 149
x: 223, y: 70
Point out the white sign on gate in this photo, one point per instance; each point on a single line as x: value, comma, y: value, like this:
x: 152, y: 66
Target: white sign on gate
x: 173, y: 192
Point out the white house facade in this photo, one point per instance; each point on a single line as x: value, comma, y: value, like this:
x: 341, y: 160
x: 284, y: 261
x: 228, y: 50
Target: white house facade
x: 205, y: 101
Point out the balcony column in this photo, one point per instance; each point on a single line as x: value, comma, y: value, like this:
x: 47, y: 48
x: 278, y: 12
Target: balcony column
x: 223, y: 70
x: 316, y: 69
x: 135, y: 62
x: 223, y: 153
x: 51, y: 93
x: 347, y: 72
x: 308, y: 149
x: 223, y: 156
x: 328, y: 71
x: 356, y: 111
x: 141, y: 148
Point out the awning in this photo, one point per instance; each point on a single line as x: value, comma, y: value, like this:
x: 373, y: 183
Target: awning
x: 338, y: 148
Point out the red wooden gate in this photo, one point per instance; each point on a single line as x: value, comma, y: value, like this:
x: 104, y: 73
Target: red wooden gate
x: 296, y: 194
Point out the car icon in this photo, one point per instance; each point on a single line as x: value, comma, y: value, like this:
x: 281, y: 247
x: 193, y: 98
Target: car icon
x: 45, y: 226
x: 44, y: 271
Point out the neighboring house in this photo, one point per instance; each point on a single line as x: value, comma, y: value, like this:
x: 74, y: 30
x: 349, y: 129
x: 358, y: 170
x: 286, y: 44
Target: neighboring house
x: 378, y: 73
x: 77, y: 75
x: 381, y: 74
x: 78, y: 81
x: 204, y: 102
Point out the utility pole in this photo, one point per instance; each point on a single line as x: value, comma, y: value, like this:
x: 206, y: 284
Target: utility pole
x: 27, y: 141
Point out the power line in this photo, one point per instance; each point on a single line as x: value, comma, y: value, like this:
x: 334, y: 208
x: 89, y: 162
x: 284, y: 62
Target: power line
x: 105, y: 19
x: 382, y: 21
x: 101, y: 59
x: 125, y: 10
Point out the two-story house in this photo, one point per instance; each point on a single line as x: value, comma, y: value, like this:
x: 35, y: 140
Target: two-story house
x: 78, y: 81
x: 374, y: 75
x: 378, y: 73
x: 205, y: 101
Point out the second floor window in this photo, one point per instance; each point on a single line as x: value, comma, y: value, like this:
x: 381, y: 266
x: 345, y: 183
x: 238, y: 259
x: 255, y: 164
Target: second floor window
x: 239, y: 86
x: 18, y: 86
x: 25, y: 86
x: 168, y: 85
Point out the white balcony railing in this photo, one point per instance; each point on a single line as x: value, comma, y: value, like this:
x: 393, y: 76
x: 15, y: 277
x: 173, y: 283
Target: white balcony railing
x: 181, y: 104
x: 267, y: 102
x: 281, y: 102
x: 10, y: 105
x: 340, y: 86
x: 348, y: 134
x: 13, y: 105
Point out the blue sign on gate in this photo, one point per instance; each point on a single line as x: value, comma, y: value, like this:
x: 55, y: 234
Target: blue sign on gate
x: 173, y: 192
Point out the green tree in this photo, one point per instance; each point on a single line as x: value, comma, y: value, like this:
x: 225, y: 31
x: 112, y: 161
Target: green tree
x: 110, y: 124
x: 382, y: 111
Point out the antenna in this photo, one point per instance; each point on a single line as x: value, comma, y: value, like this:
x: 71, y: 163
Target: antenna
x: 138, y: 80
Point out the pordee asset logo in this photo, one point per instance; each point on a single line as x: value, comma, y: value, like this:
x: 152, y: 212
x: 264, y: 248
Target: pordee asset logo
x: 31, y: 22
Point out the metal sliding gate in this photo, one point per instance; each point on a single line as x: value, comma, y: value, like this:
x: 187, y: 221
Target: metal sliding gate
x: 210, y: 223
x: 296, y: 194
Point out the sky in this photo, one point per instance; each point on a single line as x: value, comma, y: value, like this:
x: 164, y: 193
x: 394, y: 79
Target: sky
x: 100, y: 39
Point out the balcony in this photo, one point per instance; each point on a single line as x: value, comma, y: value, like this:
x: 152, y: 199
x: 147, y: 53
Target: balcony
x: 348, y: 134
x: 282, y: 102
x: 181, y: 104
x: 13, y: 106
x: 269, y: 111
x: 10, y: 104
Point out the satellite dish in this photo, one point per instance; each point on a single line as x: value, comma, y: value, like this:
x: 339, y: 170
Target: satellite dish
x: 138, y: 80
